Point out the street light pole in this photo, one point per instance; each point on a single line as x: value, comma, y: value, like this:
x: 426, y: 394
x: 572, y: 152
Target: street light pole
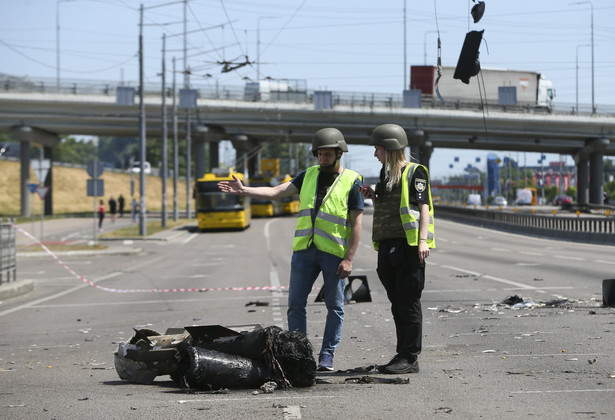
x: 592, y: 45
x: 577, y: 78
x: 58, y: 42
x: 406, y: 84
x: 142, y: 136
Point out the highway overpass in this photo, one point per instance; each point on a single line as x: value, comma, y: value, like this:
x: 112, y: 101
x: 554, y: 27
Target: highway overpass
x: 41, y: 116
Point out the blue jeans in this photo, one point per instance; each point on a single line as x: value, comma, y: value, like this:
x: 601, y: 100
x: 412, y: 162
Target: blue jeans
x: 306, y: 265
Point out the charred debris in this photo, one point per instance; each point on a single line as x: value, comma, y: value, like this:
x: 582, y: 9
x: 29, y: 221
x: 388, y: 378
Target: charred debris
x: 213, y: 357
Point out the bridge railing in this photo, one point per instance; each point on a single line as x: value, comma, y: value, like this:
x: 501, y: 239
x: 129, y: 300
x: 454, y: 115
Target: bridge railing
x: 593, y: 229
x: 213, y: 90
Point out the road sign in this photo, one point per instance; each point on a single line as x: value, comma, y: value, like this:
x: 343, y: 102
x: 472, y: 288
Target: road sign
x: 100, y: 187
x: 32, y: 187
x: 41, y: 168
x: 95, y: 168
x: 42, y: 192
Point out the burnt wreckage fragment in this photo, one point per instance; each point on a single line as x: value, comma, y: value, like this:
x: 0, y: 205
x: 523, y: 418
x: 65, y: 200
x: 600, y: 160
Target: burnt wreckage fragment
x: 212, y: 357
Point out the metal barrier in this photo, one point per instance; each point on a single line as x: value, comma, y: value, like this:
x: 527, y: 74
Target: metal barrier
x: 596, y: 229
x: 8, y: 251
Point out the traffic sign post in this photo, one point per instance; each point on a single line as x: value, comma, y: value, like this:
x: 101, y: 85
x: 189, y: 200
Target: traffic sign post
x: 95, y: 187
x: 42, y: 192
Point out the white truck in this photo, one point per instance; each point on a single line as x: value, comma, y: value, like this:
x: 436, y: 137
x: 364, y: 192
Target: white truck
x: 523, y: 88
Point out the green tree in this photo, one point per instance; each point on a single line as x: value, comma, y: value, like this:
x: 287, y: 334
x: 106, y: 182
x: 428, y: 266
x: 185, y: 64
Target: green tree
x: 71, y: 150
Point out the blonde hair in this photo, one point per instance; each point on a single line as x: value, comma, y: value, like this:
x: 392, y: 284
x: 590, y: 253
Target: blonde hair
x: 396, y: 159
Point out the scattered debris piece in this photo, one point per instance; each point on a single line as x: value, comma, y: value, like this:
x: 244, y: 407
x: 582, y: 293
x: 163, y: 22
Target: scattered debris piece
x: 269, y: 387
x: 556, y: 302
x: 512, y: 300
x: 376, y: 380
x: 257, y: 303
x: 446, y: 410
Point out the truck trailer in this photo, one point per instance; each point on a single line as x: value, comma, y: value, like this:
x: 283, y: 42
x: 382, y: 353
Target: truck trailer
x: 502, y: 87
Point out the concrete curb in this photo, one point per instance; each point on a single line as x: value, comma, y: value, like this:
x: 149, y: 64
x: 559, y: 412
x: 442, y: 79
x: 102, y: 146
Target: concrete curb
x: 15, y: 288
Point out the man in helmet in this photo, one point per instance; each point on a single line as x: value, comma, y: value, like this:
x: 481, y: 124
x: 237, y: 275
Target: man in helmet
x: 403, y: 233
x: 326, y: 236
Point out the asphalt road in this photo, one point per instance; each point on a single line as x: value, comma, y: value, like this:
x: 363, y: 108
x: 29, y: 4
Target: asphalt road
x: 551, y: 359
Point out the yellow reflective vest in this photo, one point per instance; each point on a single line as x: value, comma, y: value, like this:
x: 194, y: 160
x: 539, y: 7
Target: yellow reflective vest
x: 331, y: 229
x: 410, y: 214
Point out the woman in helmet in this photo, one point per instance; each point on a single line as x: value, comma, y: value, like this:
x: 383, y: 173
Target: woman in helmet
x: 403, y: 235
x: 326, y: 237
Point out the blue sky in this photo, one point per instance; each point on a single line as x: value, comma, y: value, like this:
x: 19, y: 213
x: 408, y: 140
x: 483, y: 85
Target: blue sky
x: 343, y: 45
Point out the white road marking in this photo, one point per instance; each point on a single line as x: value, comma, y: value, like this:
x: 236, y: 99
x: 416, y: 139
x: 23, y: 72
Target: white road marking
x: 498, y: 279
x: 567, y: 257
x: 562, y: 391
x: 57, y: 295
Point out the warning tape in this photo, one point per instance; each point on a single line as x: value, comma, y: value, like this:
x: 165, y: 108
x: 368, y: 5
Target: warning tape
x: 114, y: 290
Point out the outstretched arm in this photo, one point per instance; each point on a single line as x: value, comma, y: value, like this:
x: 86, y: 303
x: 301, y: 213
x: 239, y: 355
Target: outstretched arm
x: 269, y: 193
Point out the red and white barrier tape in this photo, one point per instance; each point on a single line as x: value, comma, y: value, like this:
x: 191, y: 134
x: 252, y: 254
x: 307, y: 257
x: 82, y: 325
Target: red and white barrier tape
x: 114, y: 290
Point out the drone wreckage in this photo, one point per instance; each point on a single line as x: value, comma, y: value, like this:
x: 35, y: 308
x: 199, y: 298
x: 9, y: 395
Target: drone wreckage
x: 213, y: 357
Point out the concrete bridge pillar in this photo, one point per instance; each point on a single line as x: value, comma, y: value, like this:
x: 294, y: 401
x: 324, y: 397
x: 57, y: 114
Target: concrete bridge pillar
x: 420, y: 147
x: 47, y: 154
x: 596, y: 170
x: 581, y: 160
x: 247, y: 151
x: 24, y: 179
x: 593, y: 152
x: 28, y: 136
x: 210, y: 136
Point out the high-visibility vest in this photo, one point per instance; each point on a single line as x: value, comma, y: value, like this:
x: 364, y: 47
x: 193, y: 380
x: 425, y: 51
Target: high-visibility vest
x: 331, y: 229
x: 410, y: 214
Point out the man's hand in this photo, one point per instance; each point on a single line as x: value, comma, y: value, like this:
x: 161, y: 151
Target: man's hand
x: 231, y: 187
x: 344, y: 269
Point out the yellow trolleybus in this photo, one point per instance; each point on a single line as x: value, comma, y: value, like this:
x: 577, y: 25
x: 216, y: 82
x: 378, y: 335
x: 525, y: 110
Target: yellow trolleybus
x: 290, y: 205
x: 262, y: 207
x: 218, y: 210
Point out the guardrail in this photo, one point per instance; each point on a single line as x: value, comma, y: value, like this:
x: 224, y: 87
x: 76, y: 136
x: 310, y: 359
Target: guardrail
x: 213, y: 90
x: 8, y: 251
x: 591, y: 229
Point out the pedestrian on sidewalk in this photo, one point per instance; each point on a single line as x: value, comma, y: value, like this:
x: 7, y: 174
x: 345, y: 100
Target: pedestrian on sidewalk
x: 101, y: 214
x: 402, y: 233
x: 113, y: 209
x: 134, y: 205
x: 121, y: 203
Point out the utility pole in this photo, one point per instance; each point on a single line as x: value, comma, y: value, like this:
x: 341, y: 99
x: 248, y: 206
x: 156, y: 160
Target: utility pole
x: 188, y: 133
x: 175, y: 148
x: 406, y: 85
x: 142, y: 213
x: 164, y: 137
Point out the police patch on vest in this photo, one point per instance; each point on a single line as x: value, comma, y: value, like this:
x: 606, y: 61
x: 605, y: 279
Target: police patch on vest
x: 420, y: 184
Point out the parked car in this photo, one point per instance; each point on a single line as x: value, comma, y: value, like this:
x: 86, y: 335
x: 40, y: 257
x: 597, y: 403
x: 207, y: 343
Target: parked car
x: 500, y: 201
x: 562, y: 200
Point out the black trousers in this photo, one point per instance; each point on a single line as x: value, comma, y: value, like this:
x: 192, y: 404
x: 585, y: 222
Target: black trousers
x: 403, y: 278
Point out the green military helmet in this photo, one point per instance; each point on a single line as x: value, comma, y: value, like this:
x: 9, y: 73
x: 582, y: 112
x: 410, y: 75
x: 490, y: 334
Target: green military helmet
x: 327, y: 138
x: 389, y: 136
